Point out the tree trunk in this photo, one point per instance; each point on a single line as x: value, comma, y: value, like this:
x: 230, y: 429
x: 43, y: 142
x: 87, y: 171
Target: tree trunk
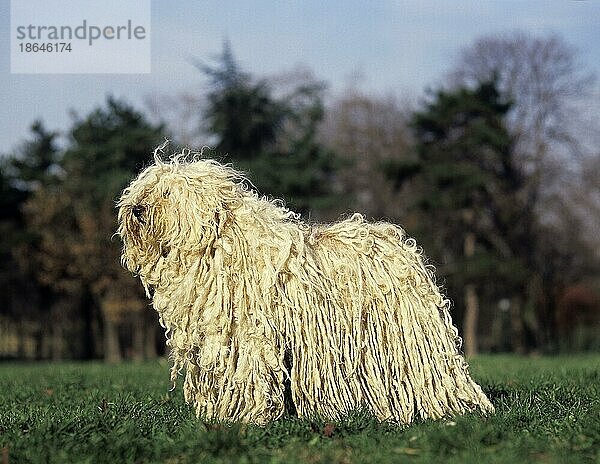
x: 516, y: 325
x: 56, y: 344
x: 138, y: 336
x: 45, y: 342
x: 471, y: 304
x: 471, y: 319
x: 542, y: 300
x: 150, y: 335
x: 90, y: 326
x: 21, y: 337
x: 112, y: 350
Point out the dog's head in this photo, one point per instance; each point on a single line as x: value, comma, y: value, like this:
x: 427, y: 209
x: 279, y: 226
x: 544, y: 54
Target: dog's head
x: 172, y: 213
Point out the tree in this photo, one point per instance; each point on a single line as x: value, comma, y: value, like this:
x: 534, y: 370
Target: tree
x: 11, y: 282
x: 545, y: 82
x: 241, y: 113
x: 34, y: 163
x: 181, y: 116
x: 464, y: 174
x: 367, y: 133
x: 549, y: 89
x: 273, y: 138
x: 74, y: 220
x: 23, y: 172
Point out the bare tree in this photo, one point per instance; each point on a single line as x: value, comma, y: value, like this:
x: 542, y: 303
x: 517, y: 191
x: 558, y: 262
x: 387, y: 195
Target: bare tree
x: 182, y: 114
x: 366, y: 132
x: 550, y: 91
x: 573, y: 217
x: 548, y: 87
x: 545, y: 81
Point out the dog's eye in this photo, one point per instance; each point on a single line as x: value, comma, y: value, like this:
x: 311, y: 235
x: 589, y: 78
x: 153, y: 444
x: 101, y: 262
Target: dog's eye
x: 137, y: 211
x: 166, y: 194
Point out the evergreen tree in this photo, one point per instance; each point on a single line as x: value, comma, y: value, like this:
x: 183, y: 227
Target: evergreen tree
x: 242, y: 114
x: 33, y: 165
x: 74, y: 220
x: 11, y: 280
x: 273, y: 139
x: 468, y: 187
x: 21, y: 173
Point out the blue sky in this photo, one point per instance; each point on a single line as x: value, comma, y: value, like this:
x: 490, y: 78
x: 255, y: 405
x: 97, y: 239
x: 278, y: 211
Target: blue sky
x: 398, y: 46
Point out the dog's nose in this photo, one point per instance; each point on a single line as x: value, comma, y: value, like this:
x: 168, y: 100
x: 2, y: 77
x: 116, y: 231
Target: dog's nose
x: 137, y: 211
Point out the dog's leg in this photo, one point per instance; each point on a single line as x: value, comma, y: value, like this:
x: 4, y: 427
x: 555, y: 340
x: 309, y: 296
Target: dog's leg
x: 290, y: 407
x: 253, y: 384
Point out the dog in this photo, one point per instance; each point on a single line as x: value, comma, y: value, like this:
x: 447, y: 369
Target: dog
x: 266, y: 314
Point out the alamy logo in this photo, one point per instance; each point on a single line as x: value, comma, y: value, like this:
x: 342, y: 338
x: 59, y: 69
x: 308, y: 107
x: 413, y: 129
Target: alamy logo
x: 71, y: 36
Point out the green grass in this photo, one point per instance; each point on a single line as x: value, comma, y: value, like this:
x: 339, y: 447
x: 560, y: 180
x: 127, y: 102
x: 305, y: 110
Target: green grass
x: 548, y: 410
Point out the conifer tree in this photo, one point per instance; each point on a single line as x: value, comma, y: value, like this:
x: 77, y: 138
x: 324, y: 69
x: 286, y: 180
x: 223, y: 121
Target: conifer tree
x: 464, y: 171
x: 73, y: 219
x: 273, y: 139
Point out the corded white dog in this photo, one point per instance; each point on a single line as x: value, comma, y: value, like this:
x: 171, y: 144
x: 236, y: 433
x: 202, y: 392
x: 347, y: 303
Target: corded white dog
x: 263, y: 310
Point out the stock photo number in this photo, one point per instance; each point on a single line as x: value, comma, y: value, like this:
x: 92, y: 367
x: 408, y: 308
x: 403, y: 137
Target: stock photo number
x: 34, y: 47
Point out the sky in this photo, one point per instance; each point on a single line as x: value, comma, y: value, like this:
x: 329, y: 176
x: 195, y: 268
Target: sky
x: 399, y: 47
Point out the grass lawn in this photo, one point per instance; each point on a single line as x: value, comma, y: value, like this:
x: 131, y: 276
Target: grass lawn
x: 547, y: 410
